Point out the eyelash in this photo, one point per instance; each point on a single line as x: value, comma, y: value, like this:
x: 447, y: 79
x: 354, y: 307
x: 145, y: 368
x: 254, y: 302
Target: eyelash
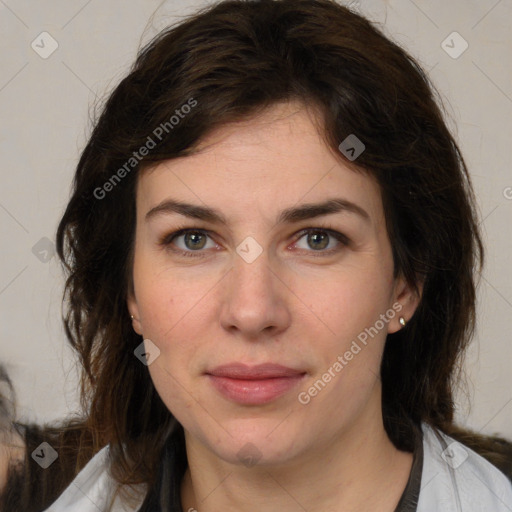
x: 168, y: 239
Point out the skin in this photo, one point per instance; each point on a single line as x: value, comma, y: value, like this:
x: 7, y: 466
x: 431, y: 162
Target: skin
x: 12, y: 445
x: 293, y: 305
x: 4, y: 465
x: 12, y: 453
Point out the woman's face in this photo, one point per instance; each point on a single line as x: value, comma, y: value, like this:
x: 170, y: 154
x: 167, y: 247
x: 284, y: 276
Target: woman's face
x: 257, y: 290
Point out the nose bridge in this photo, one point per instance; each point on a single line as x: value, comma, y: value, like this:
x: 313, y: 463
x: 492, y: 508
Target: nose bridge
x: 251, y: 269
x: 252, y: 280
x: 253, y: 299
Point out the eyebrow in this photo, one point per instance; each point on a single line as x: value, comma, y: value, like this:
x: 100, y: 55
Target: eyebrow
x: 289, y: 215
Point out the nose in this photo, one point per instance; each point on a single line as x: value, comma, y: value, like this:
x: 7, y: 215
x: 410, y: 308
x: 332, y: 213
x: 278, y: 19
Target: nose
x: 255, y: 300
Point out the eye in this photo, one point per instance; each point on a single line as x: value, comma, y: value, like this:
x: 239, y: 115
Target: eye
x: 194, y: 240
x: 319, y: 239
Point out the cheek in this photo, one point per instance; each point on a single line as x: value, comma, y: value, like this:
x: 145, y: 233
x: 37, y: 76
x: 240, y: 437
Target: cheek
x: 167, y: 316
x: 163, y: 299
x: 172, y: 312
x: 351, y: 300
x: 171, y: 386
x: 348, y: 346
x: 349, y: 326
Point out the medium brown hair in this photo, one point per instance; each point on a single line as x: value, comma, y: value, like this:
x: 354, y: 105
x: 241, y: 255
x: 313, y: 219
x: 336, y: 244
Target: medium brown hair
x: 236, y: 59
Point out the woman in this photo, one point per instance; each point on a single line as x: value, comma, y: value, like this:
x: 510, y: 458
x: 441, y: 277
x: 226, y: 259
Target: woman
x: 271, y: 246
x: 24, y: 485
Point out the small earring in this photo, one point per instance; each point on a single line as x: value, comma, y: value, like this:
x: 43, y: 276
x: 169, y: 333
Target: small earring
x: 132, y: 317
x: 402, y: 321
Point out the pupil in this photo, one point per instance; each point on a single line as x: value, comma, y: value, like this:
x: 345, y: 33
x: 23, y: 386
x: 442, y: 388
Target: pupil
x: 313, y: 236
x: 193, y: 237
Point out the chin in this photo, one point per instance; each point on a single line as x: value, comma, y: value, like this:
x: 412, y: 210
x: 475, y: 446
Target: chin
x: 254, y: 442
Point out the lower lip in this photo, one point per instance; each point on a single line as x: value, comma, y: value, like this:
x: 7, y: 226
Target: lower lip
x: 254, y: 392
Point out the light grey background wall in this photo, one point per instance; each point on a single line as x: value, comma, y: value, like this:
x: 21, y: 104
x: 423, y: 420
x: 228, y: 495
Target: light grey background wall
x: 48, y: 86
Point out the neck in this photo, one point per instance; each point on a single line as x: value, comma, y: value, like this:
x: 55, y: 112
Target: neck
x: 358, y: 470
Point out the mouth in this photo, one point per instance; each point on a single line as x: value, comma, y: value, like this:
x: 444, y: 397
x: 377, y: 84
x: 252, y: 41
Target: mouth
x: 254, y: 385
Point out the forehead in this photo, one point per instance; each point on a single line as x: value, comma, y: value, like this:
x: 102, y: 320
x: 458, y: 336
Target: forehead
x: 264, y: 164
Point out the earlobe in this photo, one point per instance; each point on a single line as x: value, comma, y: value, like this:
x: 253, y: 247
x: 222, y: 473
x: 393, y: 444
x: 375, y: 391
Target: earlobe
x: 407, y: 300
x: 134, y: 314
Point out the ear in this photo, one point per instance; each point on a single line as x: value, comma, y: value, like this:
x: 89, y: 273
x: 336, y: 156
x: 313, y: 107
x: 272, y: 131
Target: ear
x: 407, y: 300
x: 133, y: 309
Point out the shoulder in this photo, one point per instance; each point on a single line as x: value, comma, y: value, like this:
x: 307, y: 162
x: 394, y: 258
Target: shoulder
x: 455, y: 478
x: 93, y: 490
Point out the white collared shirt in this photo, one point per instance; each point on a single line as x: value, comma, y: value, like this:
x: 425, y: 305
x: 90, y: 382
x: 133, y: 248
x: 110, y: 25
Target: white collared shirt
x: 454, y: 479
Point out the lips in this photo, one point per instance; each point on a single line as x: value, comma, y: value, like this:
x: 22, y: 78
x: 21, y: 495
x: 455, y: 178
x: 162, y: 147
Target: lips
x: 260, y: 371
x: 254, y: 385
